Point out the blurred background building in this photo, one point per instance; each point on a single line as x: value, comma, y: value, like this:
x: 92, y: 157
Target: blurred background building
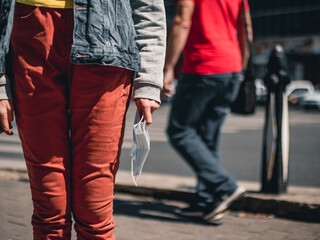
x: 295, y: 25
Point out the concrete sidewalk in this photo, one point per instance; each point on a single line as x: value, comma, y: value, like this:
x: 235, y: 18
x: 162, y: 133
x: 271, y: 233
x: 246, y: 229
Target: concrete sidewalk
x: 146, y: 218
x: 300, y: 203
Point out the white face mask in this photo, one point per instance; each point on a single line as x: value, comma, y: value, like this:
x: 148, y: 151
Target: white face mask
x: 140, y: 147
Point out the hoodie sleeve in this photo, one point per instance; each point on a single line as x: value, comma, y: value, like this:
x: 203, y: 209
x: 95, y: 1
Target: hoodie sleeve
x: 6, y: 21
x: 150, y: 24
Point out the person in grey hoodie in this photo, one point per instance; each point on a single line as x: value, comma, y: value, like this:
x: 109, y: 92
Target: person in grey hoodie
x: 67, y: 70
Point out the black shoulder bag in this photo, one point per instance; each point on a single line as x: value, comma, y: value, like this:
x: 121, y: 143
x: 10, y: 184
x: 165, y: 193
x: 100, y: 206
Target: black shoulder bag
x: 245, y: 102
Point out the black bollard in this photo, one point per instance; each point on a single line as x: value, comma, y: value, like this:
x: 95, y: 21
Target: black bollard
x: 275, y: 151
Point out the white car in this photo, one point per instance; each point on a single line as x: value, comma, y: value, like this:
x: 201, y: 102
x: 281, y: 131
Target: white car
x: 311, y: 101
x: 261, y: 90
x: 297, y: 89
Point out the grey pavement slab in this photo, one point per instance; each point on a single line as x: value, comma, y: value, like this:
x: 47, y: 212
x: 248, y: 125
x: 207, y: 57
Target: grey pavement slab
x: 299, y: 203
x: 297, y: 194
x: 145, y: 218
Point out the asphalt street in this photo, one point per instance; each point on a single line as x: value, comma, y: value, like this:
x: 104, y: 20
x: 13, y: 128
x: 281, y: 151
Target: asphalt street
x: 146, y: 218
x: 241, y: 147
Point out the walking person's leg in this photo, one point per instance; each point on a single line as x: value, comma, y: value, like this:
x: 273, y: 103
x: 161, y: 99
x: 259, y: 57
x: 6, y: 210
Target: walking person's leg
x: 99, y: 100
x: 226, y: 192
x: 210, y: 126
x: 189, y: 107
x: 40, y: 64
x: 193, y: 118
x: 210, y: 184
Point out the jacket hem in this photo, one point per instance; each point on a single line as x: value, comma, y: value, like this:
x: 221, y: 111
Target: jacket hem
x: 109, y: 57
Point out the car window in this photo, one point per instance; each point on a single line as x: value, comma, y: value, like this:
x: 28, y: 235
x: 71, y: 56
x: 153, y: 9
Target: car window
x: 299, y: 91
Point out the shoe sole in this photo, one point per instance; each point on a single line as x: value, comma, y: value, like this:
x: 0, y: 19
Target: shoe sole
x: 193, y: 214
x: 216, y: 218
x: 225, y: 204
x: 199, y: 215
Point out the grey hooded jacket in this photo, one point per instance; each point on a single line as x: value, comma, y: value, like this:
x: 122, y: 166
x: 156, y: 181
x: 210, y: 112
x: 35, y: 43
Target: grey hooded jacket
x: 130, y: 34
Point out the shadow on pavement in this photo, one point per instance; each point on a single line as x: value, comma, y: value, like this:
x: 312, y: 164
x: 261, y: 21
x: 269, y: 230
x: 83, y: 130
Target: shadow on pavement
x: 154, y: 210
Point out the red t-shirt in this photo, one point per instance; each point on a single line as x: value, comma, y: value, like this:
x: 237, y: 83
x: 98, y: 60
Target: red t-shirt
x: 212, y: 46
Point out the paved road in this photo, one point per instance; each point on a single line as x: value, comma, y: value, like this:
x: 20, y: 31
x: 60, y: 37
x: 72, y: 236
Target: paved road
x: 241, y: 147
x: 139, y: 218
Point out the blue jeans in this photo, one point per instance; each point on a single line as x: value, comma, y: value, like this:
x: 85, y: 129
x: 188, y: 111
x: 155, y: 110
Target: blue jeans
x: 199, y: 109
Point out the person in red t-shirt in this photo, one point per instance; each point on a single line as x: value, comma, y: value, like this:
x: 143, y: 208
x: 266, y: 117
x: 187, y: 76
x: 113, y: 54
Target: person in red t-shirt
x: 213, y: 38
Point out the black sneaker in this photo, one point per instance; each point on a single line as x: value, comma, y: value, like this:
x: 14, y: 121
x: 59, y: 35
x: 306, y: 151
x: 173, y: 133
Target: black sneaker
x: 221, y: 205
x: 195, y: 211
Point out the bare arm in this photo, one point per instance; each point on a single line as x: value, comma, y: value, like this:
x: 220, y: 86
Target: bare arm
x: 177, y: 39
x: 245, y: 34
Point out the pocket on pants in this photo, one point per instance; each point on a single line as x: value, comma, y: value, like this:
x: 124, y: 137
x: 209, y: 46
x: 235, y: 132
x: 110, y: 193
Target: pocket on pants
x: 234, y: 87
x: 25, y: 12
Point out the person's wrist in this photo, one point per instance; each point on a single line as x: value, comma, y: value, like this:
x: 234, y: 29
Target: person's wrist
x: 168, y: 68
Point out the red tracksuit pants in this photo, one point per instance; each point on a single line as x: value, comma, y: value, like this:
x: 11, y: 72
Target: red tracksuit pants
x: 70, y: 120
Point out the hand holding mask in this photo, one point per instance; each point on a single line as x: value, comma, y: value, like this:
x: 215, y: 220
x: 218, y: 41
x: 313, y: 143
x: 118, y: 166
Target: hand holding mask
x: 140, y: 147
